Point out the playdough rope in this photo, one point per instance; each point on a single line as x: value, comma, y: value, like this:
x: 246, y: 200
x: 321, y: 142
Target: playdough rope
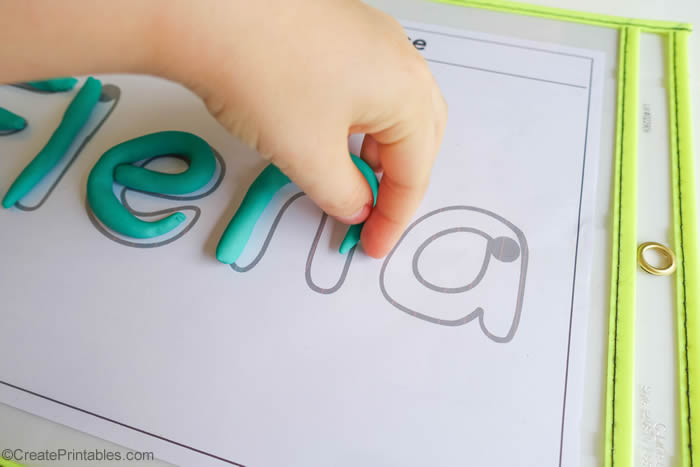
x: 263, y: 189
x: 11, y: 123
x: 352, y: 237
x: 115, y: 165
x: 53, y: 85
x: 75, y: 117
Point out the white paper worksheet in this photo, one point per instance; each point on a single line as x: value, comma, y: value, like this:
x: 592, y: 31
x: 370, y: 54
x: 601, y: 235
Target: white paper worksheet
x: 463, y: 347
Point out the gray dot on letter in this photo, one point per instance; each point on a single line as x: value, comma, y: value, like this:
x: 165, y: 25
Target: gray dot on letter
x: 504, y: 249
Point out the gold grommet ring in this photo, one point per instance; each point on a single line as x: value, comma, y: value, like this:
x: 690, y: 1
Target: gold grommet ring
x: 666, y: 269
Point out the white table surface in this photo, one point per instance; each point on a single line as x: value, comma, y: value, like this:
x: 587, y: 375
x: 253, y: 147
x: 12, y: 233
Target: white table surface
x: 21, y: 430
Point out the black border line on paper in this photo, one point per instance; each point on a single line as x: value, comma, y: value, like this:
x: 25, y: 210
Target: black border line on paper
x: 578, y: 230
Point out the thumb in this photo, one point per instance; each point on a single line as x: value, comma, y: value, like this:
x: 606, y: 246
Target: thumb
x: 332, y: 181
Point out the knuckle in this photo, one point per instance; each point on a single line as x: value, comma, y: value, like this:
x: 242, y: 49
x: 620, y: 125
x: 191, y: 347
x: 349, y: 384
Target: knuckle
x: 280, y: 162
x: 419, y: 70
x: 215, y: 106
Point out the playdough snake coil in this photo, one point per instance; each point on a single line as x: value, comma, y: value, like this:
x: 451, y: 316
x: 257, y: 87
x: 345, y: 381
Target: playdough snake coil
x: 117, y: 165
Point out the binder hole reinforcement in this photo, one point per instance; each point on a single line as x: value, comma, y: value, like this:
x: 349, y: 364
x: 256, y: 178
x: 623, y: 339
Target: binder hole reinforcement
x: 667, y: 263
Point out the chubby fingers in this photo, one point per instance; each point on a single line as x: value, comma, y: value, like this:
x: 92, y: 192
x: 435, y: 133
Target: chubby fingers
x: 405, y: 153
x: 328, y: 176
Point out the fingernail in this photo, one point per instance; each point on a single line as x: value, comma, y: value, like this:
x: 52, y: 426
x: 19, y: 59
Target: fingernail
x: 358, y: 217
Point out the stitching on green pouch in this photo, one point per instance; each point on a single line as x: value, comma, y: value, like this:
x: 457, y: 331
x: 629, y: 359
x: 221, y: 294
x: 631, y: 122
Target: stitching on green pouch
x: 680, y: 252
x: 619, y: 238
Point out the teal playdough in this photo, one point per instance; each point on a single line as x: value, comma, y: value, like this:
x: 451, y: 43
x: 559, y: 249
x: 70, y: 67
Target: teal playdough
x: 238, y: 231
x: 54, y: 85
x: 115, y: 165
x: 74, y: 119
x: 352, y: 237
x: 263, y: 189
x: 10, y: 122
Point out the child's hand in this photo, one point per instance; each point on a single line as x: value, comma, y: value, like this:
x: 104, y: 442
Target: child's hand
x: 294, y: 79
